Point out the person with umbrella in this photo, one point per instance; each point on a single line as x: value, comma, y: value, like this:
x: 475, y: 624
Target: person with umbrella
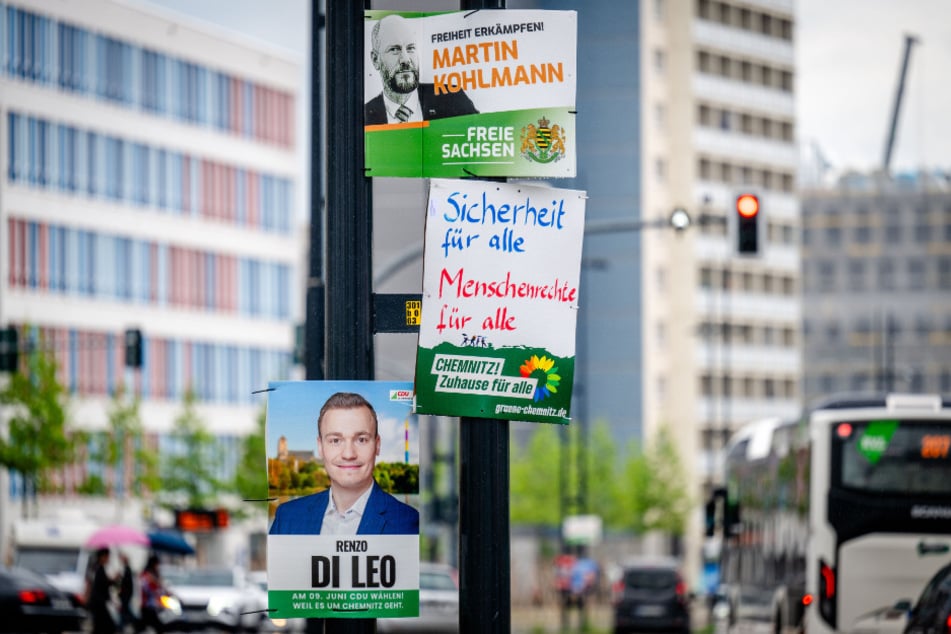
x: 126, y: 584
x: 99, y: 595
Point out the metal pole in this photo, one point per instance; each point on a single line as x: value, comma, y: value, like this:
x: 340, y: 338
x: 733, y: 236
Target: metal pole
x: 484, y: 551
x: 314, y: 319
x: 349, y: 217
x: 349, y: 220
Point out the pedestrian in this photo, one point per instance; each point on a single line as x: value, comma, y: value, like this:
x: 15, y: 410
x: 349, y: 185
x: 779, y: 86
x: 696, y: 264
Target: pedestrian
x: 100, y: 596
x: 151, y: 588
x: 126, y: 591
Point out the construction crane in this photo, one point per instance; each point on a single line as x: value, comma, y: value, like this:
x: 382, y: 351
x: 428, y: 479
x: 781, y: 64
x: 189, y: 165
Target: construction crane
x: 886, y: 160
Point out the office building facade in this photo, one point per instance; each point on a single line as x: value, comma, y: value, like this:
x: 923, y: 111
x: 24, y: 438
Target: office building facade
x: 149, y: 173
x: 688, y: 105
x: 877, y: 274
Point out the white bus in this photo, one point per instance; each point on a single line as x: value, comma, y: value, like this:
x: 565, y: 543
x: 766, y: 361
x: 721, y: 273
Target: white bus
x: 837, y: 516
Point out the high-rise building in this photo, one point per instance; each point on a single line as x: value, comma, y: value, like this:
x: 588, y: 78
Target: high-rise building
x: 149, y: 173
x: 876, y: 273
x: 679, y: 104
x: 687, y: 104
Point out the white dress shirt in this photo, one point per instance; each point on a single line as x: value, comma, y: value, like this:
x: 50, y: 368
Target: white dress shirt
x: 412, y: 102
x: 344, y: 522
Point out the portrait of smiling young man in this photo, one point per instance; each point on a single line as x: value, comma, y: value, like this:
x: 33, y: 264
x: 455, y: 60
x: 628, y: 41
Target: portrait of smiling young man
x: 348, y: 442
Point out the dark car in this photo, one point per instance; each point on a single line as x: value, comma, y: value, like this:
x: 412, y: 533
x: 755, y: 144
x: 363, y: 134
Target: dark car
x: 651, y: 595
x: 29, y: 603
x: 932, y: 613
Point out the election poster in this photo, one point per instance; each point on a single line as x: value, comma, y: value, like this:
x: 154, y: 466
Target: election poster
x: 500, y: 300
x: 487, y: 93
x: 343, y: 474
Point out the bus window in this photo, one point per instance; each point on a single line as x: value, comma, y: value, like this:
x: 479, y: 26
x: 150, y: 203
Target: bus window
x: 906, y: 457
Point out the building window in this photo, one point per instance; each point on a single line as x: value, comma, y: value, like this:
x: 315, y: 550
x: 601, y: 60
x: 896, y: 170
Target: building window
x: 863, y: 234
x: 886, y: 275
x: 833, y: 236
x: 893, y: 232
x: 857, y: 275
x: 660, y: 116
x: 705, y: 169
x: 916, y: 274
x: 944, y: 273
x: 833, y: 332
x: 826, y: 276
x: 860, y: 382
x: 703, y: 61
x: 706, y: 277
x: 660, y: 61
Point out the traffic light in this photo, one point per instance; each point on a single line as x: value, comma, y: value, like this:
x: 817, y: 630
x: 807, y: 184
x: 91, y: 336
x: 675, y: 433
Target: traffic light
x: 133, y: 348
x: 9, y: 349
x: 747, y: 224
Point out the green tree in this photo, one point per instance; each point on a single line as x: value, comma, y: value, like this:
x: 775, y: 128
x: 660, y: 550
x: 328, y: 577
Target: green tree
x: 124, y: 443
x: 190, y: 465
x: 656, y: 495
x: 534, y: 475
x: 250, y: 481
x: 37, y: 438
x: 603, y: 484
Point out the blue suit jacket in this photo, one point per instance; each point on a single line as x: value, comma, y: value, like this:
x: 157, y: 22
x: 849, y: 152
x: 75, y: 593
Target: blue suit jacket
x: 383, y: 515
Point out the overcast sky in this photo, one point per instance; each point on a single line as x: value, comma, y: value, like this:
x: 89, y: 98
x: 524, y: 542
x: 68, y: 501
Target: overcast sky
x: 848, y: 55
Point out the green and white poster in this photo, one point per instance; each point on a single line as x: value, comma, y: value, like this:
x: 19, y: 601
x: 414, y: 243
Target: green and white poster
x: 485, y: 93
x: 500, y: 301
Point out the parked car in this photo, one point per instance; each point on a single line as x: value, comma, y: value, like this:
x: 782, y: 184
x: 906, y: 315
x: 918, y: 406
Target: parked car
x: 29, y: 603
x: 218, y: 598
x: 438, y: 603
x: 650, y: 594
x: 932, y: 613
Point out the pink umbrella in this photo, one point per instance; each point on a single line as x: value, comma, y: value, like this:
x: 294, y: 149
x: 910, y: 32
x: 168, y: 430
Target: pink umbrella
x: 116, y: 535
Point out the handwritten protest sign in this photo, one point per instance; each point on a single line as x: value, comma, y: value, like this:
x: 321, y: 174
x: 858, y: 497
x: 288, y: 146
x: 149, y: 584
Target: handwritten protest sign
x: 500, y: 299
x: 480, y: 93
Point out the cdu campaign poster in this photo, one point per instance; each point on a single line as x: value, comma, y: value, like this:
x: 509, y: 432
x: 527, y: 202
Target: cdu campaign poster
x: 484, y: 93
x: 500, y: 301
x: 343, y: 474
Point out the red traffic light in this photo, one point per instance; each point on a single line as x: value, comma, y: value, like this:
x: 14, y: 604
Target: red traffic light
x: 747, y: 205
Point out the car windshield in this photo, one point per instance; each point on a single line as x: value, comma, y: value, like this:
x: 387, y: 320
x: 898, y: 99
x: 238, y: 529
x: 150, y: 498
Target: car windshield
x: 199, y: 577
x: 650, y: 579
x: 436, y: 581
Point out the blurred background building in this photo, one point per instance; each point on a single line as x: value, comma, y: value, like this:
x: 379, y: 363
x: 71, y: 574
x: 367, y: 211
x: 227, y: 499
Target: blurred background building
x: 149, y: 173
x: 876, y: 276
x: 152, y: 176
x: 680, y: 104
